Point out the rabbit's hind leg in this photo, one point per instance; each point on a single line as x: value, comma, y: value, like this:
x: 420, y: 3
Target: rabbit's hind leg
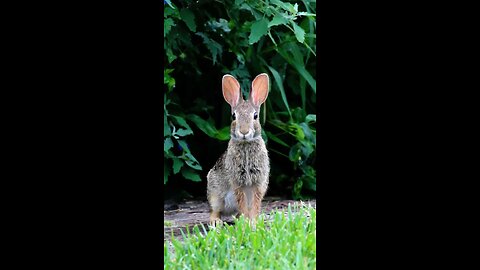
x: 256, y: 204
x: 254, y: 195
x: 242, y: 205
x: 249, y: 199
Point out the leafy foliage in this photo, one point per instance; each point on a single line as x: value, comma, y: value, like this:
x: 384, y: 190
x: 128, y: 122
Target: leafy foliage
x: 175, y: 146
x: 244, y: 38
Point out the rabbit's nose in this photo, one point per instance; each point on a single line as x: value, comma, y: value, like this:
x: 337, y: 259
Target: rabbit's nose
x: 244, y: 130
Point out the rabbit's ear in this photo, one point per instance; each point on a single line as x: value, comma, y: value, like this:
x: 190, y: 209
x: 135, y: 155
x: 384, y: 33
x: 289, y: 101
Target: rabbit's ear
x: 259, y: 89
x: 231, y: 90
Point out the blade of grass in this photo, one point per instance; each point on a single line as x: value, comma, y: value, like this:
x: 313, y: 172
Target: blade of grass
x: 302, y: 93
x: 301, y: 69
x: 279, y: 82
x: 276, y: 139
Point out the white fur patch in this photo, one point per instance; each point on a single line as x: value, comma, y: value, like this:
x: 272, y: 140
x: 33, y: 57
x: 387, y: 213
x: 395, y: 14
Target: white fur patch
x: 230, y: 203
x: 249, y: 194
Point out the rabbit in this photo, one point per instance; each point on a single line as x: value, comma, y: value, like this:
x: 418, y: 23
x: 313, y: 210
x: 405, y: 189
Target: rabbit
x: 239, y: 179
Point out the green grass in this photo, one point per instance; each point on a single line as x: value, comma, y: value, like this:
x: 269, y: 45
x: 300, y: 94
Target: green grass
x: 283, y: 240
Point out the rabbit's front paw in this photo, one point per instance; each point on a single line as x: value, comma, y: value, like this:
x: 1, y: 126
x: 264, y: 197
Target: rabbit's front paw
x: 215, y: 219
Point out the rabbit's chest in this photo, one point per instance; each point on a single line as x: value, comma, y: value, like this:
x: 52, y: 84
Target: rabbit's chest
x: 248, y: 166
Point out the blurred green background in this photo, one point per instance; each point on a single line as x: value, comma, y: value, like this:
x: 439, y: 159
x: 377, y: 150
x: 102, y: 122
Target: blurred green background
x: 203, y: 40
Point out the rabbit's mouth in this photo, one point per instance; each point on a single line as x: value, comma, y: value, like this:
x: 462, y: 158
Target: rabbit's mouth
x: 245, y: 137
x: 237, y: 136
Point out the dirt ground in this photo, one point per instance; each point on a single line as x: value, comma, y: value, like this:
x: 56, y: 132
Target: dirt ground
x: 195, y: 212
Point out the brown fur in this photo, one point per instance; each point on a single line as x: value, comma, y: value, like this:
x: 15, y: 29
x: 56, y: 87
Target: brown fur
x: 243, y: 170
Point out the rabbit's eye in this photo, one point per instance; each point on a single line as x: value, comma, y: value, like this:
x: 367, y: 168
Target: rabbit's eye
x: 255, y: 116
x: 233, y: 116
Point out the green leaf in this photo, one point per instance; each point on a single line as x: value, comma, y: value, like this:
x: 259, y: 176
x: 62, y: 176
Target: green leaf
x: 303, y: 86
x: 297, y: 188
x: 240, y: 58
x: 177, y: 165
x: 189, y: 174
x: 285, y: 6
x: 306, y: 14
x: 171, y: 57
x: 193, y: 165
x: 296, y: 52
x: 203, y: 125
x: 311, y: 118
x: 264, y: 136
x: 300, y: 67
x: 311, y: 184
x: 169, y: 3
x: 191, y: 157
x: 221, y: 24
x: 166, y: 127
x: 299, y: 32
x: 167, y: 79
x: 277, y: 20
x: 167, y: 25
x: 183, y: 132
x: 223, y: 134
x: 279, y: 82
x: 307, y: 149
x: 184, y: 146
x: 255, y: 14
x: 299, y: 134
x: 294, y: 153
x: 309, y: 172
x: 309, y: 180
x: 276, y: 139
x: 305, y: 74
x: 258, y: 30
x: 167, y: 144
x: 298, y: 114
x: 181, y: 122
x: 166, y: 75
x: 189, y: 19
x: 271, y: 38
x: 170, y: 12
x: 214, y: 47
